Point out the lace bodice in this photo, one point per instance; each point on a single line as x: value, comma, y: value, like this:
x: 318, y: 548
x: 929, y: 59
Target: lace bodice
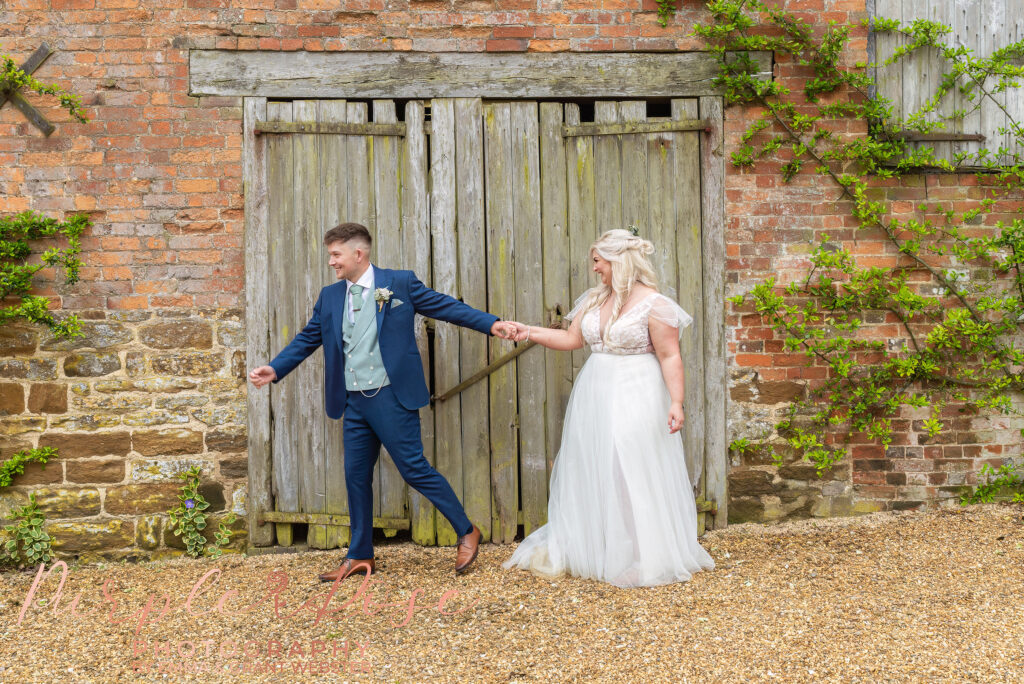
x: 630, y: 334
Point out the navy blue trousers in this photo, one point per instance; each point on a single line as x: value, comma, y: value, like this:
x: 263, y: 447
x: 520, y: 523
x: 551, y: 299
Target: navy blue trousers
x: 368, y: 423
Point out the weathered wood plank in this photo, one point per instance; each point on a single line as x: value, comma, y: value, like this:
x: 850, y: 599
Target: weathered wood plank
x: 935, y: 68
x: 501, y: 301
x: 390, y: 253
x: 331, y: 520
x: 557, y: 260
x: 34, y: 61
x: 992, y: 36
x: 257, y: 318
x: 475, y: 487
x: 31, y: 113
x: 888, y: 79
x: 529, y: 304
x: 416, y: 224
x: 580, y: 178
x: 360, y: 187
x: 304, y: 284
x: 443, y: 194
x: 281, y: 237
x: 713, y: 249
x: 406, y: 75
x: 334, y: 180
x: 634, y: 127
x: 328, y: 128
x: 660, y: 224
x: 686, y: 186
x: 608, y: 171
x: 634, y: 169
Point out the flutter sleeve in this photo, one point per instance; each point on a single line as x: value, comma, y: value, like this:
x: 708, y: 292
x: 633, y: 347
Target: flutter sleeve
x: 666, y: 311
x: 578, y: 306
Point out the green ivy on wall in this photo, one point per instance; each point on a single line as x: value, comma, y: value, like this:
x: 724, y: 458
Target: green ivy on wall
x: 960, y: 330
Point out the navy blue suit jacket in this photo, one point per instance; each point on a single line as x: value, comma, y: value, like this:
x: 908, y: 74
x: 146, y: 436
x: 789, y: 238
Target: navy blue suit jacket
x: 395, y: 334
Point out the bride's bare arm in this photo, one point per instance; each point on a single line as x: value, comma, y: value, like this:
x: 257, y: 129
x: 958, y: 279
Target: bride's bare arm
x: 553, y: 338
x: 666, y: 346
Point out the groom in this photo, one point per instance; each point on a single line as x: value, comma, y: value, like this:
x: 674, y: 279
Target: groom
x: 374, y: 376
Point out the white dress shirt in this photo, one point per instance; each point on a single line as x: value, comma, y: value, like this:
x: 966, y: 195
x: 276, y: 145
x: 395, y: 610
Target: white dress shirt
x: 366, y: 280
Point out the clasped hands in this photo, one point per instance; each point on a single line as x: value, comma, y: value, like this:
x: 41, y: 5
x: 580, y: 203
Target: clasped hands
x: 510, y: 330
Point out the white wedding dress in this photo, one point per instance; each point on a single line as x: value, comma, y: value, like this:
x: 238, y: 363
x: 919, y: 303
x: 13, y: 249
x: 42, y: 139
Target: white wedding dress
x: 621, y: 507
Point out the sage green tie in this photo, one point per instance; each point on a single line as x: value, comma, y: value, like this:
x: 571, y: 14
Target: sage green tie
x: 356, y: 292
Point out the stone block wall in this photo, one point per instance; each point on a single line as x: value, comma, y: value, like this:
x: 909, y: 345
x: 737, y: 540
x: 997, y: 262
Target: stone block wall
x: 140, y: 398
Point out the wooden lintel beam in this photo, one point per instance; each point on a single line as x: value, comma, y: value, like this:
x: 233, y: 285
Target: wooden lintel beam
x: 417, y: 75
x: 634, y: 128
x: 395, y: 129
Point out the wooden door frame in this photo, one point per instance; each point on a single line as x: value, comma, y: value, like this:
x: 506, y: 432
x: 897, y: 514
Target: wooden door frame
x: 257, y: 76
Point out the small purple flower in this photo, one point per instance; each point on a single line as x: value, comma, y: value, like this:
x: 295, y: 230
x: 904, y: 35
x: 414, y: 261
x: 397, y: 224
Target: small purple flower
x: 189, y: 503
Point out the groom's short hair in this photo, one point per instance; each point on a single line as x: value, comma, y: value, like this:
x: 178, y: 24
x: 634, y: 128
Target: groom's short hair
x: 348, y: 232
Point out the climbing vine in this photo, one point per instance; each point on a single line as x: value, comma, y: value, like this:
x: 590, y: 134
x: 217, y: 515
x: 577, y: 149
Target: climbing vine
x: 17, y: 268
x: 13, y: 77
x: 955, y: 289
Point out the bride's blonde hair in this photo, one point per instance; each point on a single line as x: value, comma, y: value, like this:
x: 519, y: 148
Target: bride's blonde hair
x: 627, y: 254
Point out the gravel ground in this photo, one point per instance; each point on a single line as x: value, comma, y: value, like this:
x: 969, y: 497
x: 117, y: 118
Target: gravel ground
x: 888, y: 597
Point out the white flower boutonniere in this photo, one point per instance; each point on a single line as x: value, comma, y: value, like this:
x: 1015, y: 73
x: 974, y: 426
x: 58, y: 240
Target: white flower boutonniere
x: 382, y: 295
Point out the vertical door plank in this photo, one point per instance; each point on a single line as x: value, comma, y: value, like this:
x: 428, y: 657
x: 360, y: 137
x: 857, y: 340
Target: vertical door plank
x: 257, y: 317
x: 660, y: 226
x: 304, y: 276
x: 557, y: 260
x: 915, y: 70
x: 581, y: 179
x: 360, y: 188
x: 334, y: 179
x: 501, y: 301
x: 416, y: 226
x: 282, y: 395
x: 529, y: 305
x: 447, y: 421
x: 941, y: 12
x: 687, y: 228
x: 361, y: 203
x: 634, y: 170
x: 390, y: 253
x: 608, y: 156
x: 993, y: 36
x: 712, y: 164
x: 889, y: 79
x: 965, y: 32
x: 475, y: 488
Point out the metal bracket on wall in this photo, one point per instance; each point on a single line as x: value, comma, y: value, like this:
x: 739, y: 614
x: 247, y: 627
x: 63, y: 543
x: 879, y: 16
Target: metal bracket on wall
x: 31, y: 113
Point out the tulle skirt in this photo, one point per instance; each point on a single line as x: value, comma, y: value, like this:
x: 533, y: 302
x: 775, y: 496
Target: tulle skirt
x: 621, y: 507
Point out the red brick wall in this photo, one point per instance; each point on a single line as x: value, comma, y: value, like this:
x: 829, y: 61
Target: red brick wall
x: 159, y: 173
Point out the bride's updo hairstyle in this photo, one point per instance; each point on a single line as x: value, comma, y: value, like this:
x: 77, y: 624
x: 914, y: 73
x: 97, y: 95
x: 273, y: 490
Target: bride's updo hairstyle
x: 627, y: 254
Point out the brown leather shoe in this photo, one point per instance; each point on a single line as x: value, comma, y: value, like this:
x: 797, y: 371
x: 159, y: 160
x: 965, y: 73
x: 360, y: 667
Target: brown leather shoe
x: 350, y: 566
x: 466, y: 550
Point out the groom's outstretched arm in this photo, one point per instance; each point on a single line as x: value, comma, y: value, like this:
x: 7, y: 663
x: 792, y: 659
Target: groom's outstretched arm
x: 444, y: 307
x: 302, y: 345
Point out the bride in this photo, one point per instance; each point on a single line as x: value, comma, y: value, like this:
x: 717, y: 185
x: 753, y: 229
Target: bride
x: 621, y: 508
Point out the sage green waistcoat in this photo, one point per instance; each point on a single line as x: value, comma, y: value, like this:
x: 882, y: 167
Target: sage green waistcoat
x: 364, y: 368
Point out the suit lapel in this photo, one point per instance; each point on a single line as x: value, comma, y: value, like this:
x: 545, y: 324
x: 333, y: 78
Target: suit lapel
x: 382, y: 279
x: 339, y: 313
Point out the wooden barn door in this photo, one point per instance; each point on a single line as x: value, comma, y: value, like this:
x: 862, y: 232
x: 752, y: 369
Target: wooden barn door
x: 519, y: 191
x: 326, y: 164
x: 495, y: 203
